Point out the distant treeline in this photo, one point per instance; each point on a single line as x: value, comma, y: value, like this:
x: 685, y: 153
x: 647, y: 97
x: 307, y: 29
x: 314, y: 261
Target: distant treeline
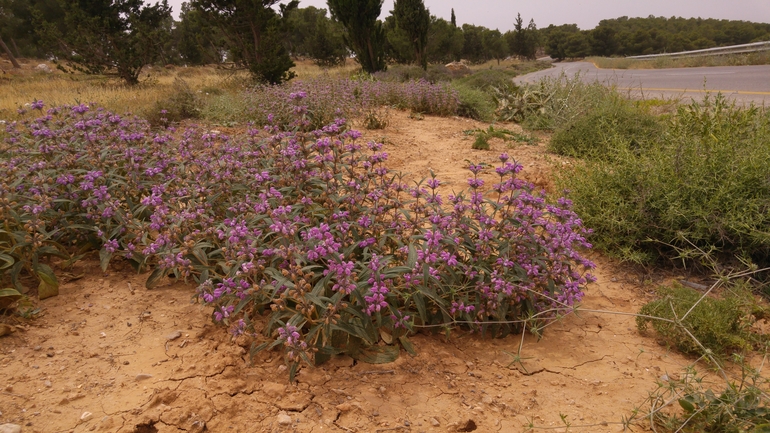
x: 652, y: 35
x: 121, y: 36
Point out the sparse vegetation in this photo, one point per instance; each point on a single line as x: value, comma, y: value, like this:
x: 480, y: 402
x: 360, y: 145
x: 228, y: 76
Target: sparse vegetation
x: 721, y: 325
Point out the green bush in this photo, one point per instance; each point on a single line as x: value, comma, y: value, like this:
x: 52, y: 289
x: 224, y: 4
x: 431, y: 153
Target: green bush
x: 563, y: 99
x: 720, y: 325
x: 486, y: 79
x: 434, y: 74
x: 702, y: 185
x: 475, y: 103
x: 181, y: 104
x: 615, y: 123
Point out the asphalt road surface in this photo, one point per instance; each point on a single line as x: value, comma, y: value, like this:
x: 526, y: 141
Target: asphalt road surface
x: 745, y: 84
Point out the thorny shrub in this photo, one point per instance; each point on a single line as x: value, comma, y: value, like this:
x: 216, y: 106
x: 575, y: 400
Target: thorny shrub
x: 309, y: 228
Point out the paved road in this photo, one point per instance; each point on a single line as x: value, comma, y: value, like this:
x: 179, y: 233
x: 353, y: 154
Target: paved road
x: 743, y: 83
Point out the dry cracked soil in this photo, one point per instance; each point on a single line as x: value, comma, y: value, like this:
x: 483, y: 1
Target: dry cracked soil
x: 107, y: 355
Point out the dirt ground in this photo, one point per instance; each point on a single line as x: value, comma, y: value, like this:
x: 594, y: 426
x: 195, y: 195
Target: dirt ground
x: 107, y: 355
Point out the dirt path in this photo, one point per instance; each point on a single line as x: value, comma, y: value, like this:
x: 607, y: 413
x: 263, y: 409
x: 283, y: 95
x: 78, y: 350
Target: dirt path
x: 108, y: 355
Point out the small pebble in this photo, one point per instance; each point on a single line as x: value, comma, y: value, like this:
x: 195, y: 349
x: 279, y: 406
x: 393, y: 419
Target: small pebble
x: 10, y: 428
x: 434, y: 422
x: 47, y: 383
x: 283, y: 419
x: 86, y: 416
x: 142, y: 376
x: 174, y: 335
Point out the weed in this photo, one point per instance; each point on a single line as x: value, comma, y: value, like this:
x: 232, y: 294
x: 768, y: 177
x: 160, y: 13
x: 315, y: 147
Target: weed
x: 720, y: 325
x: 741, y: 406
x: 375, y: 119
x: 416, y: 115
x: 183, y: 103
x: 530, y: 140
x: 483, y: 136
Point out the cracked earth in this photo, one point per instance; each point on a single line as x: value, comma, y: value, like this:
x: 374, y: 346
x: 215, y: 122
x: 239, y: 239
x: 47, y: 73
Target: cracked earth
x: 107, y: 355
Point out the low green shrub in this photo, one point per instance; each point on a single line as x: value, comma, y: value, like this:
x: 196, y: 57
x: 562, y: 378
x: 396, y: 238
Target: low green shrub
x: 702, y: 185
x: 434, y: 73
x: 183, y: 103
x: 486, y: 79
x: 483, y: 136
x: 742, y: 406
x: 721, y: 325
x: 615, y: 123
x: 474, y: 103
x: 561, y: 100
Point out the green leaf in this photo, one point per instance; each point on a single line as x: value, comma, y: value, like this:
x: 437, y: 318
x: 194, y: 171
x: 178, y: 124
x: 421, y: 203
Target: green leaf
x: 154, y: 279
x: 8, y: 261
x: 411, y: 259
x: 419, y: 302
x: 48, y: 286
x: 407, y: 345
x: 15, y: 271
x: 104, y: 259
x: 376, y: 354
x: 686, y: 405
x: 8, y: 296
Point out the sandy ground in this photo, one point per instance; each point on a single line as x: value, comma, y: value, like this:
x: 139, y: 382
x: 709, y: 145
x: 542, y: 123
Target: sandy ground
x: 108, y: 355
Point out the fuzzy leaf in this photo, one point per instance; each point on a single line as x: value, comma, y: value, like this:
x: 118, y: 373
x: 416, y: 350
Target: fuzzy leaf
x: 8, y: 296
x: 407, y: 345
x: 154, y: 279
x: 686, y: 405
x: 104, y: 259
x: 6, y: 260
x: 376, y: 354
x: 48, y: 286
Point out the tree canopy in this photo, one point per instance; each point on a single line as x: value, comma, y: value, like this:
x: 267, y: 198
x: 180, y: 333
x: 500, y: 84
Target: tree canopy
x: 108, y: 36
x: 414, y: 20
x: 255, y: 33
x: 120, y: 37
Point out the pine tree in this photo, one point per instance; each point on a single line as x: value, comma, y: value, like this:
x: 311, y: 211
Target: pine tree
x: 414, y: 19
x: 110, y: 36
x: 327, y: 48
x: 453, y: 20
x: 254, y: 32
x: 364, y: 34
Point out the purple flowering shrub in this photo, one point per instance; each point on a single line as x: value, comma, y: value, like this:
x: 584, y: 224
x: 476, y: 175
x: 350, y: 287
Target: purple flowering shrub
x: 308, y: 228
x: 327, y: 98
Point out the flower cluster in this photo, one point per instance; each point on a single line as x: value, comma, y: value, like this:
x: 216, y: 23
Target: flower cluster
x: 308, y: 225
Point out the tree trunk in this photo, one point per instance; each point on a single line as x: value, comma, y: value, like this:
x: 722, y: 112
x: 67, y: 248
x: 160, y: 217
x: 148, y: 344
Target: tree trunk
x: 15, y: 48
x: 10, y: 54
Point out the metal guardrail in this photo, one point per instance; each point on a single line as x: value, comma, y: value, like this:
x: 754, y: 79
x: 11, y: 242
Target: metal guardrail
x: 733, y: 49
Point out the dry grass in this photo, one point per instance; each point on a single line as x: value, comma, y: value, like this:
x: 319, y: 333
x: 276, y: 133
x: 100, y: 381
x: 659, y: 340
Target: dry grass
x: 18, y: 87
x: 760, y: 58
x: 305, y: 68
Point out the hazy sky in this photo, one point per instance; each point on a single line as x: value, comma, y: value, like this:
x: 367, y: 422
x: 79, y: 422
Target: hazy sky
x: 500, y: 14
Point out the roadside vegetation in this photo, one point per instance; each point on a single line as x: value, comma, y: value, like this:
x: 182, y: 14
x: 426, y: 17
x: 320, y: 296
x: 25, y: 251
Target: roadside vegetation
x: 758, y: 58
x: 342, y: 255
